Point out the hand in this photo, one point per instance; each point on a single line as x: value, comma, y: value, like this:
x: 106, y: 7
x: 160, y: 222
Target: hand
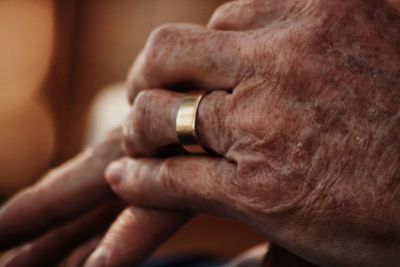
x: 306, y: 133
x: 64, y: 217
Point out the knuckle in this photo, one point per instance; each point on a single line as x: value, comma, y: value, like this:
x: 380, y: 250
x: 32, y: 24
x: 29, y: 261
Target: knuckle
x: 163, y: 33
x: 160, y: 40
x: 128, y: 145
x: 165, y: 39
x: 136, y: 174
x: 226, y: 16
x: 132, y: 84
x: 152, y: 110
x: 142, y: 98
x: 131, y: 134
x: 218, y: 19
x: 169, y: 180
x: 162, y: 44
x: 142, y: 109
x: 135, y: 125
x: 165, y: 174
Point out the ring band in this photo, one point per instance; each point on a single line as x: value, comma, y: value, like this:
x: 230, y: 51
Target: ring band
x: 186, y: 122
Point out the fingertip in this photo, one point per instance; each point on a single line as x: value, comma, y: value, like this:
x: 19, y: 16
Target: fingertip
x: 115, y: 171
x: 98, y: 258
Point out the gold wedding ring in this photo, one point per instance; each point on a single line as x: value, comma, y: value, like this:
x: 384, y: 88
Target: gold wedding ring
x: 186, y: 122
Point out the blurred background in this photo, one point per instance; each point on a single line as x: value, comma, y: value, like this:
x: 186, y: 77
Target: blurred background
x: 62, y: 68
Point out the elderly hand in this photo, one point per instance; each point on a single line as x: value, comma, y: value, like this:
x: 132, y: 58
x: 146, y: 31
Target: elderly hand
x: 65, y: 216
x: 71, y: 218
x: 306, y: 131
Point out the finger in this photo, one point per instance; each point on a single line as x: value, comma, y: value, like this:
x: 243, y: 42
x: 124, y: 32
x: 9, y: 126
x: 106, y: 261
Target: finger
x: 134, y: 236
x: 78, y: 257
x: 64, y: 193
x: 245, y: 15
x: 156, y: 109
x: 55, y: 245
x: 186, y: 183
x: 177, y: 55
x: 251, y: 258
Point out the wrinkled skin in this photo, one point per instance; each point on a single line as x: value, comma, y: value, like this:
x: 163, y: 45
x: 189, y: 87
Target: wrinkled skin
x: 71, y: 218
x: 306, y: 133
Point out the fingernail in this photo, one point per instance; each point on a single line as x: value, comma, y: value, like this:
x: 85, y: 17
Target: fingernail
x: 97, y: 259
x: 115, y: 171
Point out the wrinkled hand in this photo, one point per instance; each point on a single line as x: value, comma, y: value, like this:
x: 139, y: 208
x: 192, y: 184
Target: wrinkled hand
x: 66, y: 215
x: 307, y: 131
x: 71, y: 218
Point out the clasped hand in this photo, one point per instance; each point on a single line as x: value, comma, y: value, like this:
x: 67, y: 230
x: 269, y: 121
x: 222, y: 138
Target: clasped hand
x: 302, y: 118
